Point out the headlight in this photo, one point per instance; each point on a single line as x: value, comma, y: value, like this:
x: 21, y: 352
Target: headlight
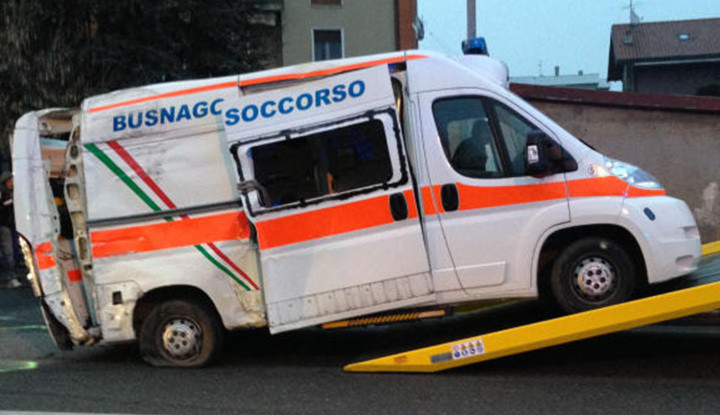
x: 632, y: 174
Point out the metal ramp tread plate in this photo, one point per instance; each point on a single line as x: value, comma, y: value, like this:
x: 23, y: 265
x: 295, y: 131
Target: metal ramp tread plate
x: 548, y: 333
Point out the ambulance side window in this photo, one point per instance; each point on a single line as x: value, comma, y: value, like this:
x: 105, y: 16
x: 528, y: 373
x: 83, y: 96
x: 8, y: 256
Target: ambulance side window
x: 332, y: 161
x: 466, y: 137
x: 513, y: 129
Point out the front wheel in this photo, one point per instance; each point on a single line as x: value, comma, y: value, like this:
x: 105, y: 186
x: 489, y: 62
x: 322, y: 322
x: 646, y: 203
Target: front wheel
x: 592, y: 273
x: 180, y: 333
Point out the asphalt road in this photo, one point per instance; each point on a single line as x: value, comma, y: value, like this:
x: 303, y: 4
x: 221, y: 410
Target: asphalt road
x: 671, y: 368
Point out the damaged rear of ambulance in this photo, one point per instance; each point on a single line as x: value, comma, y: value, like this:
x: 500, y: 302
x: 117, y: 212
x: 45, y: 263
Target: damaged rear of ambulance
x: 41, y: 143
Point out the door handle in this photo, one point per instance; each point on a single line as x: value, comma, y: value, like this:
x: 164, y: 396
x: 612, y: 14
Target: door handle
x: 449, y: 197
x: 398, y: 206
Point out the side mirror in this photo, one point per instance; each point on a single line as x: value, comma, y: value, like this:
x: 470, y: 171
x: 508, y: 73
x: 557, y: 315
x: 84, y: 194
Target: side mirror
x: 543, y: 156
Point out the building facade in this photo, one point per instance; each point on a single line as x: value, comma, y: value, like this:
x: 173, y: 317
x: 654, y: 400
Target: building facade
x: 314, y: 30
x: 673, y: 57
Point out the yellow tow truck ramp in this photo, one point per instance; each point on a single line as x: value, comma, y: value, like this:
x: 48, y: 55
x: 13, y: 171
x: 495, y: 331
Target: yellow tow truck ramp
x: 548, y: 333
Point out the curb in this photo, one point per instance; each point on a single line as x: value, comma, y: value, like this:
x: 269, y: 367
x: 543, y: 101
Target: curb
x: 711, y: 248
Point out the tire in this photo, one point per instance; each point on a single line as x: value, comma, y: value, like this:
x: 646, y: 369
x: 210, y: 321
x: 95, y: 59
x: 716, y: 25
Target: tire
x: 592, y: 273
x: 180, y: 333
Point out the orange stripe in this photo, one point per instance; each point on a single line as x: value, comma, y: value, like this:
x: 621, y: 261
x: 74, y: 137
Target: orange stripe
x: 74, y: 275
x: 166, y: 95
x: 326, y: 72
x: 373, y: 212
x: 608, y: 186
x: 320, y: 223
x: 340, y: 219
x: 479, y: 197
x: 473, y: 197
x: 597, y: 187
x: 184, y: 232
x: 44, y: 255
x: 412, y: 207
x: 438, y: 197
x: 427, y: 201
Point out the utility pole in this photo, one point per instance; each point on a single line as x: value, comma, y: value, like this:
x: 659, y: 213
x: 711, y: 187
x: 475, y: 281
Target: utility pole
x: 471, y: 31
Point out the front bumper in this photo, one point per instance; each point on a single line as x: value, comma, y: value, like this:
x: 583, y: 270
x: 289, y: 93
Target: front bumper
x: 667, y: 233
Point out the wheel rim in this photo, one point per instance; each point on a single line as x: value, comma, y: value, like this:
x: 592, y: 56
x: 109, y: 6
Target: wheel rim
x: 181, y: 338
x: 594, y: 279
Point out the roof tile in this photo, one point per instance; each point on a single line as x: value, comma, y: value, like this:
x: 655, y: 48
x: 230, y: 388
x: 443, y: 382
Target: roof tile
x: 658, y: 40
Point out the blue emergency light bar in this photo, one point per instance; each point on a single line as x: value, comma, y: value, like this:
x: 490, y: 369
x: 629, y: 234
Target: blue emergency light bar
x: 475, y: 46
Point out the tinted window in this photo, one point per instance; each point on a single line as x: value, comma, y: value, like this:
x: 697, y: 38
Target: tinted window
x: 329, y: 162
x: 466, y: 137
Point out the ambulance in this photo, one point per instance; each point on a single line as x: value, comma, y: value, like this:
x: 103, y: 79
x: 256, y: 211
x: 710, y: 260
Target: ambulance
x: 367, y: 187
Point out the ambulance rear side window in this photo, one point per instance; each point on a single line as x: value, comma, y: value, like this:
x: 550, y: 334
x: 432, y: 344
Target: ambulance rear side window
x: 329, y: 162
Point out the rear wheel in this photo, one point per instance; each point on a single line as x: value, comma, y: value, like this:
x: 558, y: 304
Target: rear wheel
x: 180, y: 333
x: 592, y: 273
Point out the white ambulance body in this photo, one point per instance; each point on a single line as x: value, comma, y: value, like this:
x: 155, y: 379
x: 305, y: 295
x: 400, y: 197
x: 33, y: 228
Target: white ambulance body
x: 322, y: 192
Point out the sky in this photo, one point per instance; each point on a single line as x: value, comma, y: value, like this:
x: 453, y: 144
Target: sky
x: 532, y: 36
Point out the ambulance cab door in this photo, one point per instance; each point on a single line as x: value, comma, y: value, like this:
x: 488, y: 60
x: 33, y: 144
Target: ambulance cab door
x: 492, y: 213
x: 331, y: 199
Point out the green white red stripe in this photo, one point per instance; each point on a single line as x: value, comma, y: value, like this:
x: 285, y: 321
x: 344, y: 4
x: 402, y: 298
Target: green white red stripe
x: 219, y: 259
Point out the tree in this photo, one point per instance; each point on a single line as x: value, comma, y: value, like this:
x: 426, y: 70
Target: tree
x: 41, y: 64
x: 142, y: 42
x: 58, y: 52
